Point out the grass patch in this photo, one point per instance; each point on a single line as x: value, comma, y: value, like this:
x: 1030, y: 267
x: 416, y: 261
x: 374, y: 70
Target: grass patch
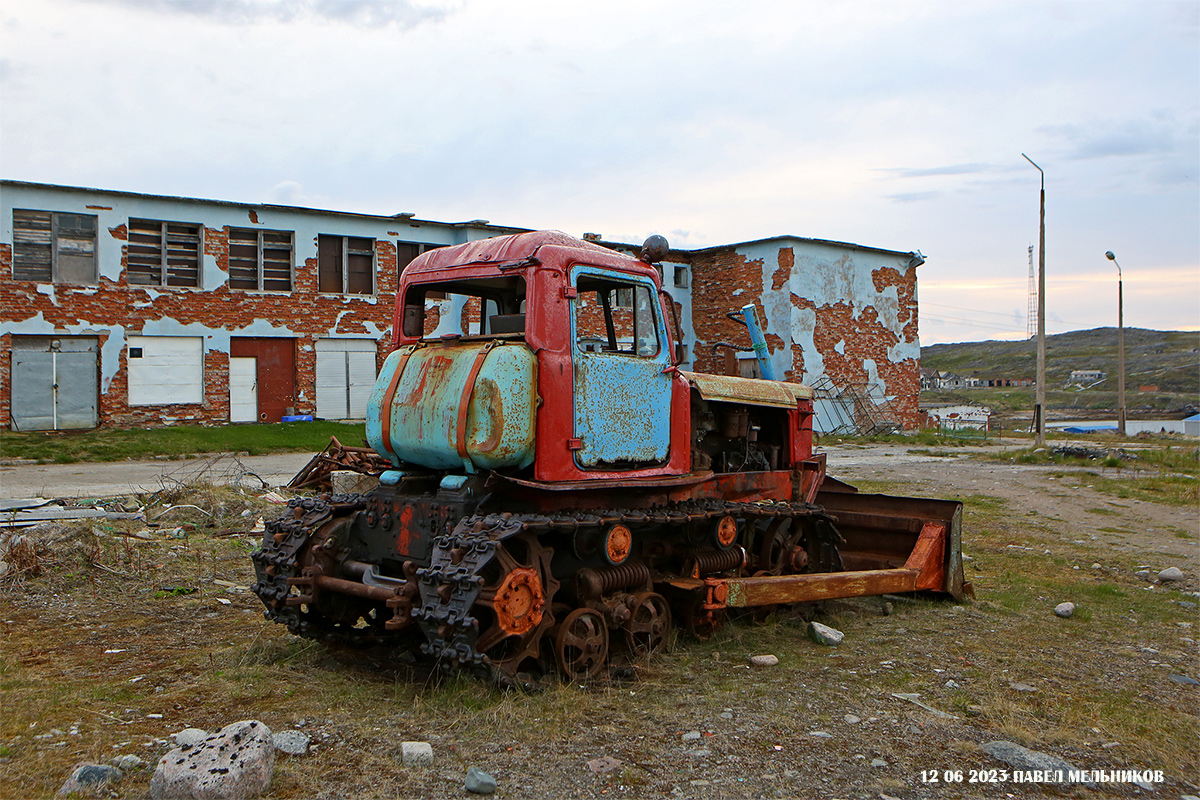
x: 183, y: 441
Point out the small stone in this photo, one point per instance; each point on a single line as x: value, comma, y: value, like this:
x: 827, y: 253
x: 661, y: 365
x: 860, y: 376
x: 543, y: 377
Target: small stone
x: 294, y: 743
x: 952, y: 684
x: 1022, y: 687
x: 1171, y: 574
x: 1065, y: 610
x: 974, y: 711
x: 823, y: 634
x: 851, y: 719
x: 416, y: 754
x: 1144, y: 574
x: 189, y: 737
x: 690, y: 736
x: 86, y: 778
x: 764, y: 660
x: 1096, y: 565
x: 726, y: 715
x: 887, y: 608
x: 820, y: 734
x: 128, y: 763
x: 1184, y: 680
x: 479, y: 782
x: 703, y: 752
x: 604, y: 765
x: 1188, y: 604
x: 878, y: 762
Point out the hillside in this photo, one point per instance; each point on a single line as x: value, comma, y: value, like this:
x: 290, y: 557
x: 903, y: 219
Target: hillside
x: 1167, y: 359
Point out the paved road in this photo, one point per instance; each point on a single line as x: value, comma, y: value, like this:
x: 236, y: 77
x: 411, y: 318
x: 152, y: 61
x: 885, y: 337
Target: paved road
x: 129, y: 477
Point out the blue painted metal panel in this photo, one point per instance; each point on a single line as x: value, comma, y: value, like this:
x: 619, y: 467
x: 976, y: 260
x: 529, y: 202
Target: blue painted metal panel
x: 622, y: 401
x: 424, y: 409
x: 758, y: 341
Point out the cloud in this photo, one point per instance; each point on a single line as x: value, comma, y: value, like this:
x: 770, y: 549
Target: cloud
x: 1130, y: 138
x: 913, y: 197
x: 366, y: 13
x: 925, y: 172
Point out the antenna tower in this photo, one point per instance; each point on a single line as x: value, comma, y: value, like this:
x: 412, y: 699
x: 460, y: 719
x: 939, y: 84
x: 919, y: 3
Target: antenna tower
x: 1031, y: 310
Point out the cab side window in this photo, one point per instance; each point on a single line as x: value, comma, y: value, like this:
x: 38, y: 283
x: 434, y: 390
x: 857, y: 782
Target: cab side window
x: 615, y: 317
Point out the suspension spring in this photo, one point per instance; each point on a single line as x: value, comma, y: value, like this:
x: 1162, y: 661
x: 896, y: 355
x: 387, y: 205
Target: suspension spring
x: 708, y: 562
x: 594, y: 583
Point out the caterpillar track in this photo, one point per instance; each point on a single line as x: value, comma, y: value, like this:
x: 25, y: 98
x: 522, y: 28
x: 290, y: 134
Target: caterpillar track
x: 490, y: 599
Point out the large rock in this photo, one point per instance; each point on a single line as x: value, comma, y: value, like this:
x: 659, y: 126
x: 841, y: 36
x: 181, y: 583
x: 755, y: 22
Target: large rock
x: 88, y: 780
x: 1171, y: 574
x: 235, y: 763
x: 1022, y: 758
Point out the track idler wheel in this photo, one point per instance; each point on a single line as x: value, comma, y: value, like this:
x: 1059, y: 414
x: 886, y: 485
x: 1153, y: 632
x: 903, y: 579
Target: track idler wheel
x: 648, y: 623
x: 581, y: 644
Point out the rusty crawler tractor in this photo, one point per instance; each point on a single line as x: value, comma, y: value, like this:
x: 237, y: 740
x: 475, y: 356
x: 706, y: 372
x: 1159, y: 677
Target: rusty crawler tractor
x: 561, y: 493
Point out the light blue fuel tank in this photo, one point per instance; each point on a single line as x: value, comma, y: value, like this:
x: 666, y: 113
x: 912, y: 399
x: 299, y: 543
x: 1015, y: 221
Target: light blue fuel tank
x: 456, y: 406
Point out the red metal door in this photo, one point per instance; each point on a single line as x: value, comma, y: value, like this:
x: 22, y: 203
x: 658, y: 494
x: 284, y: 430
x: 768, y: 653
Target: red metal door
x: 276, y: 373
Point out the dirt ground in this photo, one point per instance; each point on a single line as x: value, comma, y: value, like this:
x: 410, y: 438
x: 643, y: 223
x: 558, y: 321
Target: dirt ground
x: 113, y: 644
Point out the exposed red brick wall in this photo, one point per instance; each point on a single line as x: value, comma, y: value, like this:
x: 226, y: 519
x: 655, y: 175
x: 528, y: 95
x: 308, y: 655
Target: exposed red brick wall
x: 113, y: 305
x: 852, y: 322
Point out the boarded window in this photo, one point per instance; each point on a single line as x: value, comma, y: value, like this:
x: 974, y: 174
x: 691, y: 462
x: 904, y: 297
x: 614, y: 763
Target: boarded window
x: 345, y: 264
x: 163, y: 253
x: 260, y: 259
x: 54, y: 247
x: 165, y: 370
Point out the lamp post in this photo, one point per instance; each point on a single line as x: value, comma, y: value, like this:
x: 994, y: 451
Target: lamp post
x: 1120, y: 345
x: 1039, y: 405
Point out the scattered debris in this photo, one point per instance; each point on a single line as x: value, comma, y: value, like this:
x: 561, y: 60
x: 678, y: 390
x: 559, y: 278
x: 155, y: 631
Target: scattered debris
x: 823, y: 634
x: 1065, y: 610
x: 915, y: 699
x: 273, y: 497
x: 1092, y: 453
x: 479, y: 782
x: 1022, y: 758
x: 416, y: 754
x: 316, y: 474
x: 87, y: 779
x: 237, y: 761
x: 43, y: 511
x: 604, y: 765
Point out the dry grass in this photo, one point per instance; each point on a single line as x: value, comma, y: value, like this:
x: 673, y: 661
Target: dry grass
x: 74, y: 593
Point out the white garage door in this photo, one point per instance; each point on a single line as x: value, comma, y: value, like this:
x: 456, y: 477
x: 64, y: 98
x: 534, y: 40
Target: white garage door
x: 345, y: 377
x: 165, y: 370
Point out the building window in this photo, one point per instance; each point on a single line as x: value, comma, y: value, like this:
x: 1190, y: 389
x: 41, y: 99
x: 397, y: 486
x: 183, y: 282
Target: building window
x: 53, y: 247
x: 407, y: 251
x: 681, y: 278
x: 260, y: 259
x: 163, y: 253
x: 166, y: 370
x: 345, y: 264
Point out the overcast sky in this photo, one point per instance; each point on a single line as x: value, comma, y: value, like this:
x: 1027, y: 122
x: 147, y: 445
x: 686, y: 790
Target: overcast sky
x: 892, y: 124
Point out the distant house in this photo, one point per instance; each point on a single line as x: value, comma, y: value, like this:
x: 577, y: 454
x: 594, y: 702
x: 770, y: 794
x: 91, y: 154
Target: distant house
x: 961, y: 416
x: 994, y: 381
x: 1086, y: 376
x: 1191, y: 425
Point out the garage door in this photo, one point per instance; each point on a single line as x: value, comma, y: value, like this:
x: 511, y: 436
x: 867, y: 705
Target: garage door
x: 55, y: 382
x: 345, y: 377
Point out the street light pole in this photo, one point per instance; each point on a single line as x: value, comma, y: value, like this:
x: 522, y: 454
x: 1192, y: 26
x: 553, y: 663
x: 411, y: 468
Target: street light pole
x: 1120, y: 345
x: 1039, y: 405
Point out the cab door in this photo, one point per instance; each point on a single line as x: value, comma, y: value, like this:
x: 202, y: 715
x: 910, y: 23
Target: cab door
x: 622, y: 385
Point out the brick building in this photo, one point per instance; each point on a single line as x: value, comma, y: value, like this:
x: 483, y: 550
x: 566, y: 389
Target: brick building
x: 128, y: 309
